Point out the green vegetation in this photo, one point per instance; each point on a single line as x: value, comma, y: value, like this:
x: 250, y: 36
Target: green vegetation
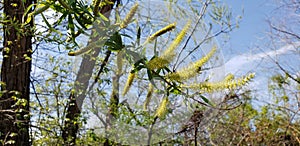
x: 141, y: 78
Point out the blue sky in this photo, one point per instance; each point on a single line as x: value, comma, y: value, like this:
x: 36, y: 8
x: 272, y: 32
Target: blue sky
x: 248, y: 50
x: 253, y: 24
x: 252, y: 29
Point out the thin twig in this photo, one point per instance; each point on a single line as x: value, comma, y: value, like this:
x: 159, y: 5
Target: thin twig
x: 285, y: 32
x: 104, y: 63
x: 35, y: 93
x: 202, y: 12
x: 287, y: 73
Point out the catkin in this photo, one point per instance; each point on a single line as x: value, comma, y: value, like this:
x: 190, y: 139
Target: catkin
x: 229, y: 77
x: 128, y: 84
x: 129, y: 16
x: 148, y: 97
x: 169, y: 54
x: 192, y: 70
x: 120, y: 56
x: 162, y: 109
x: 225, y: 84
x: 161, y: 32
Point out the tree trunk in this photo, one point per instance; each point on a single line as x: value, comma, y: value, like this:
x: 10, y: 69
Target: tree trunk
x: 15, y: 74
x: 82, y: 81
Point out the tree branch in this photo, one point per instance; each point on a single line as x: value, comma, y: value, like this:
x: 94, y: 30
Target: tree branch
x: 285, y: 32
x: 287, y: 73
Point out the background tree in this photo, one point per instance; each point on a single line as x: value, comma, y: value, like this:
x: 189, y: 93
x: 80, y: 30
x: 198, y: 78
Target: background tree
x: 284, y: 84
x: 84, y: 74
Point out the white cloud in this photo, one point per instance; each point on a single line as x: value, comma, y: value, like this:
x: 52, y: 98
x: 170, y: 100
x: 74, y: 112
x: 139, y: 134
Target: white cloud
x: 242, y: 64
x: 245, y: 63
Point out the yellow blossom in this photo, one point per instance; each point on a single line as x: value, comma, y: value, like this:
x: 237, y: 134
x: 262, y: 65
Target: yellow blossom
x: 120, y: 56
x: 161, y: 32
x: 192, y: 70
x: 225, y: 84
x: 128, y: 83
x: 148, y: 97
x: 129, y: 16
x: 229, y: 77
x: 169, y: 54
x: 162, y: 109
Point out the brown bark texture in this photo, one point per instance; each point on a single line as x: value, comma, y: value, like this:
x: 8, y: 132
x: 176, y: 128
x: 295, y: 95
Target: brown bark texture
x: 15, y: 74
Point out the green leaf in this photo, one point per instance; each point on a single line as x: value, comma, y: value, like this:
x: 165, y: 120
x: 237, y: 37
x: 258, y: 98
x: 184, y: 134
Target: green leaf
x: 71, y: 25
x: 138, y: 35
x: 103, y: 17
x: 82, y: 22
x: 49, y: 25
x: 28, y: 20
x: 150, y: 76
x: 206, y: 100
x: 175, y: 91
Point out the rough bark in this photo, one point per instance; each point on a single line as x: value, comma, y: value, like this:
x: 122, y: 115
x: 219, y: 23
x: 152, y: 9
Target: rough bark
x: 82, y: 81
x: 15, y: 74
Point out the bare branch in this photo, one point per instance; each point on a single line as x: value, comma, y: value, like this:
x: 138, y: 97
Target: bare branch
x: 287, y: 73
x: 285, y: 31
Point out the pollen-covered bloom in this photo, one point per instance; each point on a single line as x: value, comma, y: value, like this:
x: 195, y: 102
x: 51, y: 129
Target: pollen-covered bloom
x: 169, y: 54
x: 148, y: 97
x: 225, y: 84
x: 129, y: 16
x: 128, y: 84
x: 120, y: 56
x: 161, y: 32
x: 162, y: 109
x: 191, y: 70
x: 229, y: 77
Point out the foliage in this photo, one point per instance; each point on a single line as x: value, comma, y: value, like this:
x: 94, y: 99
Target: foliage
x: 164, y: 77
x: 246, y: 125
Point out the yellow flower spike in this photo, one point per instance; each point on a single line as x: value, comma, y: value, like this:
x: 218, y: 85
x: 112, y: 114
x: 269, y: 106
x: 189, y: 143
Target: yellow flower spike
x: 162, y: 109
x: 120, y: 56
x: 148, y: 97
x: 157, y: 62
x: 225, y: 84
x: 192, y: 70
x: 177, y: 40
x: 229, y: 77
x: 161, y: 32
x: 128, y: 84
x: 129, y: 16
x: 203, y: 60
x: 169, y: 54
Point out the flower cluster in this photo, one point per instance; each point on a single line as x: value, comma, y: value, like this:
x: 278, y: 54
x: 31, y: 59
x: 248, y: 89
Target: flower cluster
x: 227, y: 83
x: 192, y: 70
x: 162, y: 109
x: 128, y: 84
x: 169, y: 54
x: 129, y: 16
x: 148, y: 97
